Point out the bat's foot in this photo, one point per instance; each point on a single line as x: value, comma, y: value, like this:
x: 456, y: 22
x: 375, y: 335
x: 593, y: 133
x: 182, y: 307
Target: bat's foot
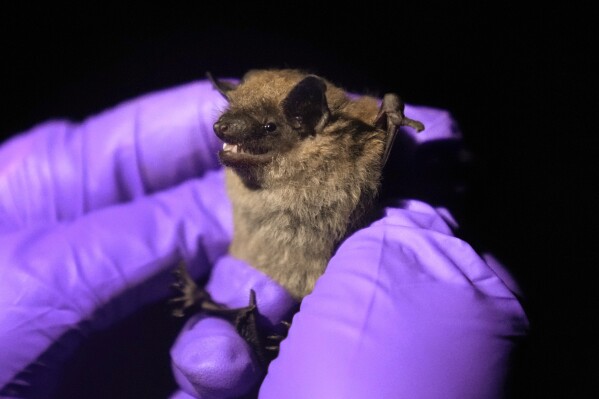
x: 266, y: 347
x: 245, y: 319
x: 273, y: 341
x: 191, y: 296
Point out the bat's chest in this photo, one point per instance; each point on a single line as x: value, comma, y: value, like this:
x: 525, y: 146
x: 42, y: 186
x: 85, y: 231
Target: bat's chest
x: 299, y: 222
x: 290, y: 213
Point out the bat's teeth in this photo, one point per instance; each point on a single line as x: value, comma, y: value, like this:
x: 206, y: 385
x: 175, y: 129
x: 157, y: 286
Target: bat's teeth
x: 230, y: 147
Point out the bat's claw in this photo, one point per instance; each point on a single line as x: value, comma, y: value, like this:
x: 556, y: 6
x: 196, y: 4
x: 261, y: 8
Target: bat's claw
x: 274, y: 340
x: 178, y: 312
x: 265, y: 347
x: 286, y: 324
x: 190, y: 295
x: 416, y: 125
x: 390, y: 117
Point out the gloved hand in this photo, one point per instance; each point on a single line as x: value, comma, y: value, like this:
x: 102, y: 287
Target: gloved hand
x: 94, y: 216
x: 90, y: 226
x: 404, y: 309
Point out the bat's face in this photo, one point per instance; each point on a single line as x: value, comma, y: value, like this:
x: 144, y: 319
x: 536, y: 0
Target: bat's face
x: 253, y: 137
x: 268, y: 115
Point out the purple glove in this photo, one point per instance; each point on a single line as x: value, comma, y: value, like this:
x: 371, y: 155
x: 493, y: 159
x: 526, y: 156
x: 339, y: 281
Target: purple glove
x: 85, y: 225
x: 210, y: 360
x: 405, y: 309
x: 93, y: 217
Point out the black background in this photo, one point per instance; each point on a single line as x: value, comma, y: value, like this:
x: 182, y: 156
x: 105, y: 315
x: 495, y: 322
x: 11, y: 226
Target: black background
x: 519, y: 80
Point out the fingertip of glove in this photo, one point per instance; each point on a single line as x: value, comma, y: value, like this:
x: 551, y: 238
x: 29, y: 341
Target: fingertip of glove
x: 212, y: 360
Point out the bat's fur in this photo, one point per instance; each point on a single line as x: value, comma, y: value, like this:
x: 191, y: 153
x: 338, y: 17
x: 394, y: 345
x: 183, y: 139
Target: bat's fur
x: 315, y: 184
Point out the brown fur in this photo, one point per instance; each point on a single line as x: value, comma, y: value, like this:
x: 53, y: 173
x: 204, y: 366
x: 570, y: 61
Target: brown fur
x: 288, y: 222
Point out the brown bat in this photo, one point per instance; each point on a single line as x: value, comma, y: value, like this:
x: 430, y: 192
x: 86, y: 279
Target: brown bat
x: 303, y: 165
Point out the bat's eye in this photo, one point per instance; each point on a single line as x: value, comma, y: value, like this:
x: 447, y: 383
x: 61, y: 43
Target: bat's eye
x: 270, y: 127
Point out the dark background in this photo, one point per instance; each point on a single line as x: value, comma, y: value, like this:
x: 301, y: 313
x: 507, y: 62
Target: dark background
x: 520, y: 82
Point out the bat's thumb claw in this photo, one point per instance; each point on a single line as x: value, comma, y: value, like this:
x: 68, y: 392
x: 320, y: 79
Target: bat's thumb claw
x: 416, y: 125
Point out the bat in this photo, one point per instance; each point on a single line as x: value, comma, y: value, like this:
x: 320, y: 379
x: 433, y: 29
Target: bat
x: 303, y: 163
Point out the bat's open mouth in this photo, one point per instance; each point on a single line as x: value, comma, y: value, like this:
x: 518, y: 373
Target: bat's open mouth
x: 243, y: 155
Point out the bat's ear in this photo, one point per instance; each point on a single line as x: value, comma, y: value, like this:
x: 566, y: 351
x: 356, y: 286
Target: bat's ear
x: 306, y: 105
x: 222, y: 87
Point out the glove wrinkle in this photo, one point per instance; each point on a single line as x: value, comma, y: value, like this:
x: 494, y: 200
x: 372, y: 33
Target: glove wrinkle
x: 59, y: 170
x: 97, y: 269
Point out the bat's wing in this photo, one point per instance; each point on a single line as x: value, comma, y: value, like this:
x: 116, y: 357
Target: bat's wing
x: 390, y: 117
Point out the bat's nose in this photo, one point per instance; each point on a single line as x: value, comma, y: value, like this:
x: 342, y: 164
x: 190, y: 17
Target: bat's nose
x: 231, y: 129
x: 222, y: 130
x: 220, y: 127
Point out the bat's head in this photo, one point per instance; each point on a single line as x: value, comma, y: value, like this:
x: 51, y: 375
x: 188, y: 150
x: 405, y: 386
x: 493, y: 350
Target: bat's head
x: 269, y: 114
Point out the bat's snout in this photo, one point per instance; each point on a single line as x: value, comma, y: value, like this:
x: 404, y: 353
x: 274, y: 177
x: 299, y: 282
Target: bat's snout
x: 230, y: 131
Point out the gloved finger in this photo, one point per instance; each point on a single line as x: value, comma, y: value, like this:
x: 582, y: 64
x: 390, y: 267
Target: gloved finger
x: 404, y: 309
x: 58, y: 283
x: 212, y: 361
x: 209, y: 358
x: 231, y: 281
x: 59, y: 170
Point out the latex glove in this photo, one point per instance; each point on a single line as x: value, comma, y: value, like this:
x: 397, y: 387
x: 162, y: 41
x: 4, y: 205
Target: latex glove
x: 93, y: 216
x: 34, y: 204
x: 404, y: 309
x: 210, y: 359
